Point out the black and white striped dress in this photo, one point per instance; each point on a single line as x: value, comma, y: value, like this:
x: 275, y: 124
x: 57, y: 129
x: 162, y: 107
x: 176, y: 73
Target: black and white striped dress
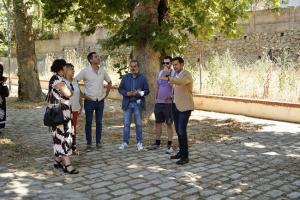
x: 62, y: 134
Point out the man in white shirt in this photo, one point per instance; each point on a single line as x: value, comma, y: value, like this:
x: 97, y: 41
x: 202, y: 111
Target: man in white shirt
x: 94, y: 94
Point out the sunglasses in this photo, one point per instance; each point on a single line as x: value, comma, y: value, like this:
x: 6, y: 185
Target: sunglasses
x: 167, y: 63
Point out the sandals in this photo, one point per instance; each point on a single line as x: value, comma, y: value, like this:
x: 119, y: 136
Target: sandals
x: 73, y: 171
x: 58, y: 164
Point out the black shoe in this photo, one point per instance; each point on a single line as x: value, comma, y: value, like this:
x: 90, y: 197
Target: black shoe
x: 99, y: 146
x: 73, y: 171
x: 182, y: 161
x: 177, y: 156
x: 88, y: 148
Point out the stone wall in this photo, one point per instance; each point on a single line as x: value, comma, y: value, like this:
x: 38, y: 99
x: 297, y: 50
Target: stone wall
x: 265, y: 31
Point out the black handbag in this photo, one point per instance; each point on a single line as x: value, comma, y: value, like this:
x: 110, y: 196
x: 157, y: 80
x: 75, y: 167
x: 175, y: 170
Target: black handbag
x: 54, y: 115
x: 4, y: 91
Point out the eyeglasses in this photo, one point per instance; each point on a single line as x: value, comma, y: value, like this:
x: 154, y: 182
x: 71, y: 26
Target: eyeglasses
x: 133, y: 66
x: 167, y: 63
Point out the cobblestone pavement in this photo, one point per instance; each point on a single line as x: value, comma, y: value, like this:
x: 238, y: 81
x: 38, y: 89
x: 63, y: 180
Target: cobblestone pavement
x: 265, y: 165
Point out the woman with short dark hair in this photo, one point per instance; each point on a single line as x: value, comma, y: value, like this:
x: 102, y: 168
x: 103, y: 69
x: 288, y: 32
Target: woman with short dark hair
x: 58, y: 92
x: 3, y: 94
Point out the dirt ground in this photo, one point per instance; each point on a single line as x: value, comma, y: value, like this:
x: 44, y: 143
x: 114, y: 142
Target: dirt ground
x: 15, y: 150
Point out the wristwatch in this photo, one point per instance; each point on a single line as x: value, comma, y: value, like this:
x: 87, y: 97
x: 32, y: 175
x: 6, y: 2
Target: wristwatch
x: 168, y: 76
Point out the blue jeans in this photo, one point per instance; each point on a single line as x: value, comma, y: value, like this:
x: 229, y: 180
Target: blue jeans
x: 134, y: 109
x: 90, y: 106
x: 181, y: 120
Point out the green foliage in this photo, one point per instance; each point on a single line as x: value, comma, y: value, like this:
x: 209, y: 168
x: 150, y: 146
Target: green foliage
x: 201, y: 18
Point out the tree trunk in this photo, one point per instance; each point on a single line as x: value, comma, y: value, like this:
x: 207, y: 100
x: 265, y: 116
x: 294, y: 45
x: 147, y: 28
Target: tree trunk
x: 149, y: 65
x: 147, y: 57
x: 29, y: 85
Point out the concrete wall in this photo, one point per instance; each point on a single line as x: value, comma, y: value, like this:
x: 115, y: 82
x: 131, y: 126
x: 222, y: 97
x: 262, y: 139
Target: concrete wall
x: 264, y: 30
x: 70, y: 40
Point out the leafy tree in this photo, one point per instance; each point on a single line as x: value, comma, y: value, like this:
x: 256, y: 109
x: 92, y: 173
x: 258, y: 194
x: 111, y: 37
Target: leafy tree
x: 153, y: 27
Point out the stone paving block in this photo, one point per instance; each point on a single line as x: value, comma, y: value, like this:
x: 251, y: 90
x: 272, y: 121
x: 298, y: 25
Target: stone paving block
x: 122, y: 191
x: 102, y: 197
x: 274, y: 193
x: 178, y: 195
x: 114, y: 171
x: 265, y: 187
x: 297, y: 182
x: 168, y: 185
x: 82, y: 189
x: 215, y: 170
x: 95, y: 175
x: 294, y: 195
x: 278, y: 182
x: 233, y: 191
x: 288, y: 188
x: 77, y: 179
x: 235, y: 176
x: 122, y: 179
x: 193, y: 190
x: 165, y: 193
x: 127, y: 197
x: 99, y: 191
x: 136, y: 181
x: 166, y: 198
x: 216, y: 197
x: 252, y: 193
x: 148, y: 191
x: 101, y: 184
x: 141, y: 186
x: 207, y: 193
x: 117, y: 186
x: 238, y: 197
x: 109, y: 177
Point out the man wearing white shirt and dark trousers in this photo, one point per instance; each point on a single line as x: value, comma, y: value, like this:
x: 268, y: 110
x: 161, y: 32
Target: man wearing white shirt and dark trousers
x: 94, y: 94
x: 182, y: 107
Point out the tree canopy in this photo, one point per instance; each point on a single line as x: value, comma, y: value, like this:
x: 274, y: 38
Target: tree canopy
x: 177, y: 19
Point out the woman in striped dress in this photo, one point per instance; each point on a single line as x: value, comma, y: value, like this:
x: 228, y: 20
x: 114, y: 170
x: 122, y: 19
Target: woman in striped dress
x: 62, y: 134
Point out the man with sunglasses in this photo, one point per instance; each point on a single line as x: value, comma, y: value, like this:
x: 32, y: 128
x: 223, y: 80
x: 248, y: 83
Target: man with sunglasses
x: 163, y: 106
x: 133, y: 87
x: 182, y: 107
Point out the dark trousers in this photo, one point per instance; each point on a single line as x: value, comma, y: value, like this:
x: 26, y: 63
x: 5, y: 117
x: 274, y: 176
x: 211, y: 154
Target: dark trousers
x: 89, y: 107
x: 181, y: 120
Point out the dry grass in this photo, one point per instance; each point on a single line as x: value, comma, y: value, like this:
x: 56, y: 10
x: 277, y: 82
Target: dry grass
x: 13, y: 102
x: 15, y: 151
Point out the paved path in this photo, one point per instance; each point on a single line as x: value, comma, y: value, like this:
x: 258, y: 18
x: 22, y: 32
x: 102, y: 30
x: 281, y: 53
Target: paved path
x: 265, y: 165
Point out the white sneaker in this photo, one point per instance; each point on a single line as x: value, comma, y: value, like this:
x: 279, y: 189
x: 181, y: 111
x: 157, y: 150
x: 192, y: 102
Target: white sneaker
x: 123, y: 146
x: 139, y: 146
x: 169, y: 150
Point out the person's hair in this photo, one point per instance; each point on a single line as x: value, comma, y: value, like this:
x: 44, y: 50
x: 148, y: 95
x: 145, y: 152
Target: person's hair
x: 168, y: 57
x: 1, y: 70
x: 134, y: 61
x: 58, y: 65
x: 180, y: 60
x: 90, y: 56
x: 69, y: 65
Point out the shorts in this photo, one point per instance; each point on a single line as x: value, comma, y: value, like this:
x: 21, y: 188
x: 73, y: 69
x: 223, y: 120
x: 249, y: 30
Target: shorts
x: 163, y: 113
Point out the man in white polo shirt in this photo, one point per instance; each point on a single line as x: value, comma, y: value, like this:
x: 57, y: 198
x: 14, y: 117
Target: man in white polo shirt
x: 94, y: 94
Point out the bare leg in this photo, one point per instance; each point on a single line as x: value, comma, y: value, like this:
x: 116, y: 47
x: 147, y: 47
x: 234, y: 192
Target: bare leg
x: 170, y: 131
x: 158, y: 130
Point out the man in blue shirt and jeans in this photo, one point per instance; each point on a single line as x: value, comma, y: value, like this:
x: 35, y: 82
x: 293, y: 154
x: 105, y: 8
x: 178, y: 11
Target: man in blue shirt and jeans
x: 133, y: 87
